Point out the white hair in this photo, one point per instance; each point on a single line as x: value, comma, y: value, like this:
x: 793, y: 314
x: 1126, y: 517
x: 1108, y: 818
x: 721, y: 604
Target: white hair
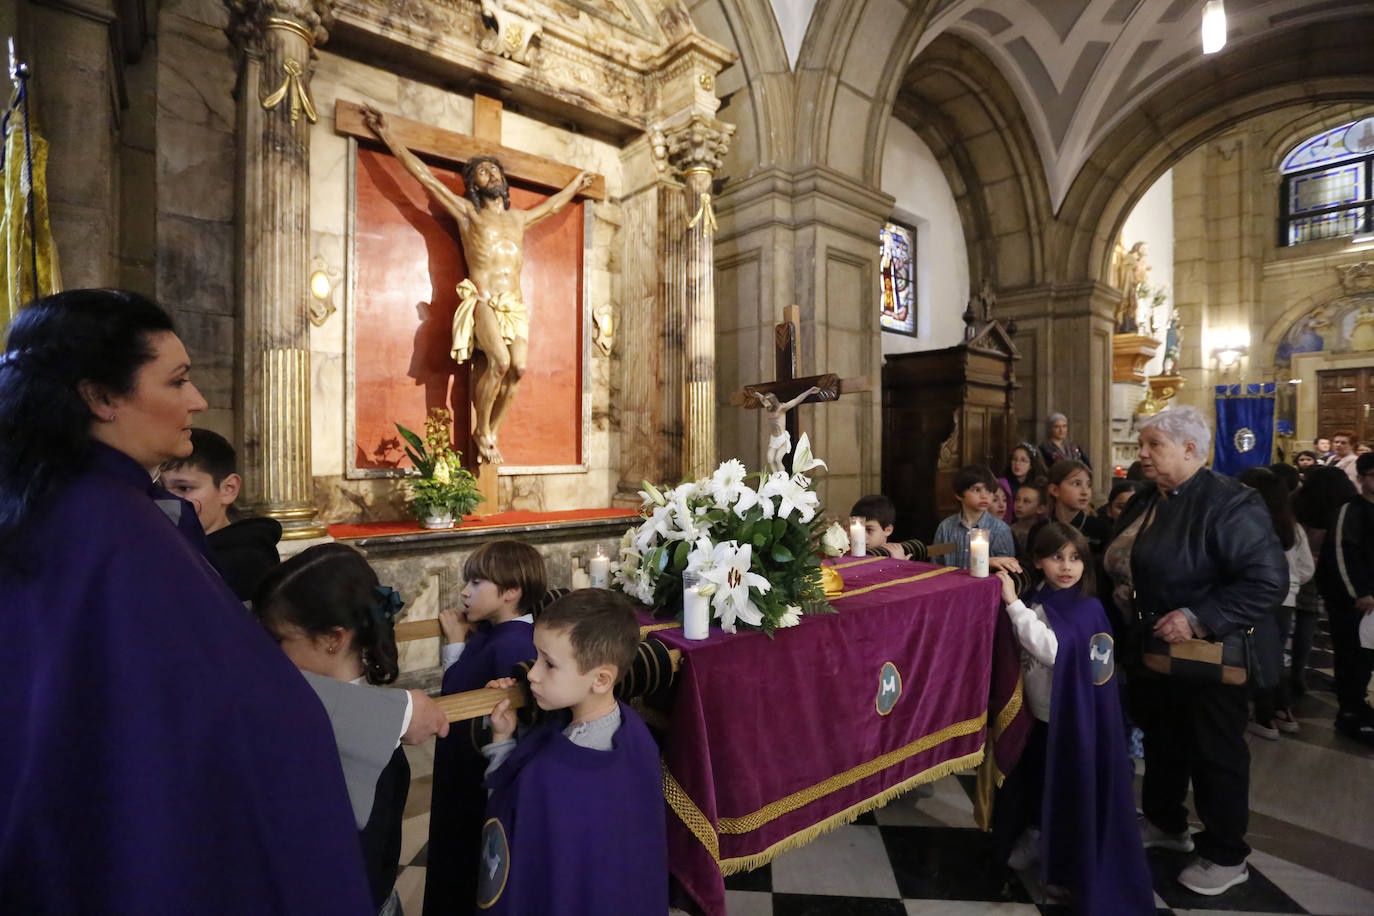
x: 1053, y: 419
x: 1181, y: 424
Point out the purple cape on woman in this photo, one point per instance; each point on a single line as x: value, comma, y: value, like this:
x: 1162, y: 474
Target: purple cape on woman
x: 576, y: 831
x: 161, y: 755
x: 1090, y: 843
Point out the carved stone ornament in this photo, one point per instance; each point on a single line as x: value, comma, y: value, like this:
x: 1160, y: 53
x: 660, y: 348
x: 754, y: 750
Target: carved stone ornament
x: 516, y: 32
x: 1357, y: 278
x: 699, y: 144
x: 251, y: 20
x: 603, y: 317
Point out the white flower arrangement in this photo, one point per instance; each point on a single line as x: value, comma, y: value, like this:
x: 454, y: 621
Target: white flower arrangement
x: 755, y: 539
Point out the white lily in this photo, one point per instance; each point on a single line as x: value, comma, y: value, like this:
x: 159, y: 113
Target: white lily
x: 802, y: 459
x: 793, y: 494
x: 650, y: 495
x: 835, y: 541
x: 729, y: 571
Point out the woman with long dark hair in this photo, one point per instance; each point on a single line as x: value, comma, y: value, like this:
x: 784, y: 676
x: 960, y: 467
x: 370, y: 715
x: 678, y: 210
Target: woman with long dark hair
x: 160, y: 755
x: 1273, y: 701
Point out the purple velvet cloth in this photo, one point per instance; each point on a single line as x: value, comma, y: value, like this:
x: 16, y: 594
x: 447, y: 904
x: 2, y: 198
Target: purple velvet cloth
x: 581, y: 829
x: 772, y: 737
x: 1089, y: 840
x: 458, y: 802
x: 161, y: 754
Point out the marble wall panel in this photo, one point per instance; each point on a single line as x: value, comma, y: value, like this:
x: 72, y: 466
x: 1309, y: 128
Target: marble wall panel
x: 195, y: 167
x: 326, y: 407
x: 193, y: 268
x: 737, y: 293
x: 848, y: 127
x: 196, y: 71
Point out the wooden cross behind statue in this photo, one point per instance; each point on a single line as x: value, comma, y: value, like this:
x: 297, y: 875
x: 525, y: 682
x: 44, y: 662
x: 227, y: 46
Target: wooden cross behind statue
x: 787, y: 343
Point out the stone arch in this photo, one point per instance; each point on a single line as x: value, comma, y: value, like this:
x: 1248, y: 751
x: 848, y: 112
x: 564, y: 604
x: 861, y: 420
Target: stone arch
x: 957, y: 101
x: 761, y: 80
x: 1303, y: 65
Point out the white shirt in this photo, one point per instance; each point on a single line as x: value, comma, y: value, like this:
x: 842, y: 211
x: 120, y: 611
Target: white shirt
x: 1039, y: 646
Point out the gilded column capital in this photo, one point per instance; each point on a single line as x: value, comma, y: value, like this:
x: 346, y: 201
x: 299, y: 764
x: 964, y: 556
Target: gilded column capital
x: 252, y: 21
x: 697, y: 145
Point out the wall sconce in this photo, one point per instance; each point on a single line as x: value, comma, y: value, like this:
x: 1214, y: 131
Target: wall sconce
x: 323, y: 280
x: 1229, y: 347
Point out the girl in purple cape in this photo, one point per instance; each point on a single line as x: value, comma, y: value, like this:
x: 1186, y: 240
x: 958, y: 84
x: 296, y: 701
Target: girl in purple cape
x: 331, y: 617
x: 1068, y: 803
x: 160, y: 754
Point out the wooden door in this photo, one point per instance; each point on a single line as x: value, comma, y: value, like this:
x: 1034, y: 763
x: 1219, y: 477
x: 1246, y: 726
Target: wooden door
x: 1345, y: 400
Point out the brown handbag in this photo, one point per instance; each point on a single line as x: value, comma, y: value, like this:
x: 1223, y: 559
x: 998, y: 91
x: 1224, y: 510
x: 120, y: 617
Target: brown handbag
x: 1202, y: 660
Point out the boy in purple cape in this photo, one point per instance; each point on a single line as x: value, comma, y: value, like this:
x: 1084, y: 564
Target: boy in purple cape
x: 493, y: 634
x: 1074, y: 791
x: 575, y: 821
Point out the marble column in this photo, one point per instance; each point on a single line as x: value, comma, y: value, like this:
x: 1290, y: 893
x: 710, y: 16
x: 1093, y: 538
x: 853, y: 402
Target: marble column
x: 696, y: 150
x: 275, y: 111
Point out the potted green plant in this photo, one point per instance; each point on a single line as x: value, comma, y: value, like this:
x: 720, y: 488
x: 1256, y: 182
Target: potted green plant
x: 444, y: 491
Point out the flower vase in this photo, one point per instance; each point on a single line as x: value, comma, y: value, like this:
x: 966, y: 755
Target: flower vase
x: 436, y: 521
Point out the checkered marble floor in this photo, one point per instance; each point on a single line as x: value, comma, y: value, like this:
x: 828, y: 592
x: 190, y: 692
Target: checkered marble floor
x: 1312, y: 829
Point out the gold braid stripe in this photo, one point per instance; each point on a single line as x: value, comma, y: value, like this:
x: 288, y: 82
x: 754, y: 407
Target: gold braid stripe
x: 802, y: 837
x: 857, y: 562
x: 655, y: 627
x: 771, y: 812
x: 691, y: 815
x: 1008, y: 712
x: 873, y: 588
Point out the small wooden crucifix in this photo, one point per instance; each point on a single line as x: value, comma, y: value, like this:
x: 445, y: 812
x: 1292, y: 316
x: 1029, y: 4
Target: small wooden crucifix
x: 787, y: 386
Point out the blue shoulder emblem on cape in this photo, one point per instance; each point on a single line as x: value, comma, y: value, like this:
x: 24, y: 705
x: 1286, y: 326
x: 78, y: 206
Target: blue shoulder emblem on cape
x: 495, y: 865
x: 1102, y: 653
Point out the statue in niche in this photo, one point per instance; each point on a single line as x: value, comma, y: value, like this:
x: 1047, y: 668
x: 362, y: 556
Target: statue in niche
x: 1134, y: 271
x: 491, y: 319
x: 779, y: 442
x: 1173, y: 343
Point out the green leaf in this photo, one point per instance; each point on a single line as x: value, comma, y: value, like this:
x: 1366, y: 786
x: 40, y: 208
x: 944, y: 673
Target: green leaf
x: 760, y: 540
x: 779, y: 527
x: 782, y: 554
x: 680, y: 555
x: 414, y: 440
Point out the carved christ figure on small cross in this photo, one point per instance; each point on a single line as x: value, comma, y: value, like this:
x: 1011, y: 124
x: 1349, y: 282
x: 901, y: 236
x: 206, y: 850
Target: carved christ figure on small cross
x: 491, y: 316
x: 779, y: 440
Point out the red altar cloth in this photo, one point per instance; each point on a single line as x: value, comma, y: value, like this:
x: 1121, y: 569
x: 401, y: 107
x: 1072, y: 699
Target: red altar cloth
x: 494, y: 520
x: 772, y: 743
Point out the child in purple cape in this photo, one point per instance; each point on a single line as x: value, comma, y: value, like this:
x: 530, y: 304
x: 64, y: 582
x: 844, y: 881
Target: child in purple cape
x: 491, y: 635
x: 575, y: 821
x: 1068, y: 802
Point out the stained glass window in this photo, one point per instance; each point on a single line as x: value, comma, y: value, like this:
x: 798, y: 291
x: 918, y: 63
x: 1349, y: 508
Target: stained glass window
x: 1326, y: 187
x: 897, y: 250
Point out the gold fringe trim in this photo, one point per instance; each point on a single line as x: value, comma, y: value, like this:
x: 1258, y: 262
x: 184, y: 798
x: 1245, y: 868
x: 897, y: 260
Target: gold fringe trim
x: 990, y: 779
x: 925, y: 575
x: 801, y: 838
x: 690, y: 814
x: 771, y: 812
x: 655, y: 627
x: 856, y: 563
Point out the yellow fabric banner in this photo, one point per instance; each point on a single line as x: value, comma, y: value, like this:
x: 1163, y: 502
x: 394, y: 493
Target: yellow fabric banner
x: 29, y: 255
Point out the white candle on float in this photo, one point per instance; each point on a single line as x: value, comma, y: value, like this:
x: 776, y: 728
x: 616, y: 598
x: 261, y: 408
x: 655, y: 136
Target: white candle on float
x: 600, y: 569
x: 858, y: 538
x: 978, y: 554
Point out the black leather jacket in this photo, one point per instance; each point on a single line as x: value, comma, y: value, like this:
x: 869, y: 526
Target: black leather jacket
x: 1211, y: 548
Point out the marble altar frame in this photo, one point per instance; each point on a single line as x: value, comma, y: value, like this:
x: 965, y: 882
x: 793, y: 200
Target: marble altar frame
x: 351, y: 470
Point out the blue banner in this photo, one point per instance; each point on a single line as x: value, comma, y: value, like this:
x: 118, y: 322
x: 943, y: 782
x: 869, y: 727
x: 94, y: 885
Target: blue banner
x: 1245, y: 427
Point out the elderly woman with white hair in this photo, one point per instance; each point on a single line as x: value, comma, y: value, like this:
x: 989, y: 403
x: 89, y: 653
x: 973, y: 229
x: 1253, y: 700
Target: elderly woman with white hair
x: 1194, y: 557
x: 1058, y: 447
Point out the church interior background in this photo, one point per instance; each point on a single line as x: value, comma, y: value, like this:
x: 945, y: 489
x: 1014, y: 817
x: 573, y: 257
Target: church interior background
x: 1014, y: 149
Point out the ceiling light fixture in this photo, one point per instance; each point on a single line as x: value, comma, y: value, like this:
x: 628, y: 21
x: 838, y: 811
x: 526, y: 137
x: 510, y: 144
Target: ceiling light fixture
x: 1213, y: 27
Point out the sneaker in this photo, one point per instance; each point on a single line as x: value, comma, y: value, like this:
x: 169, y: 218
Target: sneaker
x: 1137, y: 744
x: 1210, y: 879
x: 1154, y: 838
x: 1266, y: 732
x: 1026, y: 851
x: 1284, y: 722
x: 1356, y: 726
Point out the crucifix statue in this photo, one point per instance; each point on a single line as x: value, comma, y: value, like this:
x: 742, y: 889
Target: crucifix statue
x: 785, y: 429
x: 491, y: 318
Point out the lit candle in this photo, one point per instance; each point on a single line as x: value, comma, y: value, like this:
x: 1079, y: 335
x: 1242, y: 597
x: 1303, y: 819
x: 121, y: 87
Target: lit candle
x: 600, y: 568
x: 978, y: 554
x: 696, y: 613
x: 579, y: 578
x: 858, y: 538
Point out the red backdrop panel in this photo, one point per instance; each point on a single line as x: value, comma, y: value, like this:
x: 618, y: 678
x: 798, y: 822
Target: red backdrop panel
x: 408, y: 264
